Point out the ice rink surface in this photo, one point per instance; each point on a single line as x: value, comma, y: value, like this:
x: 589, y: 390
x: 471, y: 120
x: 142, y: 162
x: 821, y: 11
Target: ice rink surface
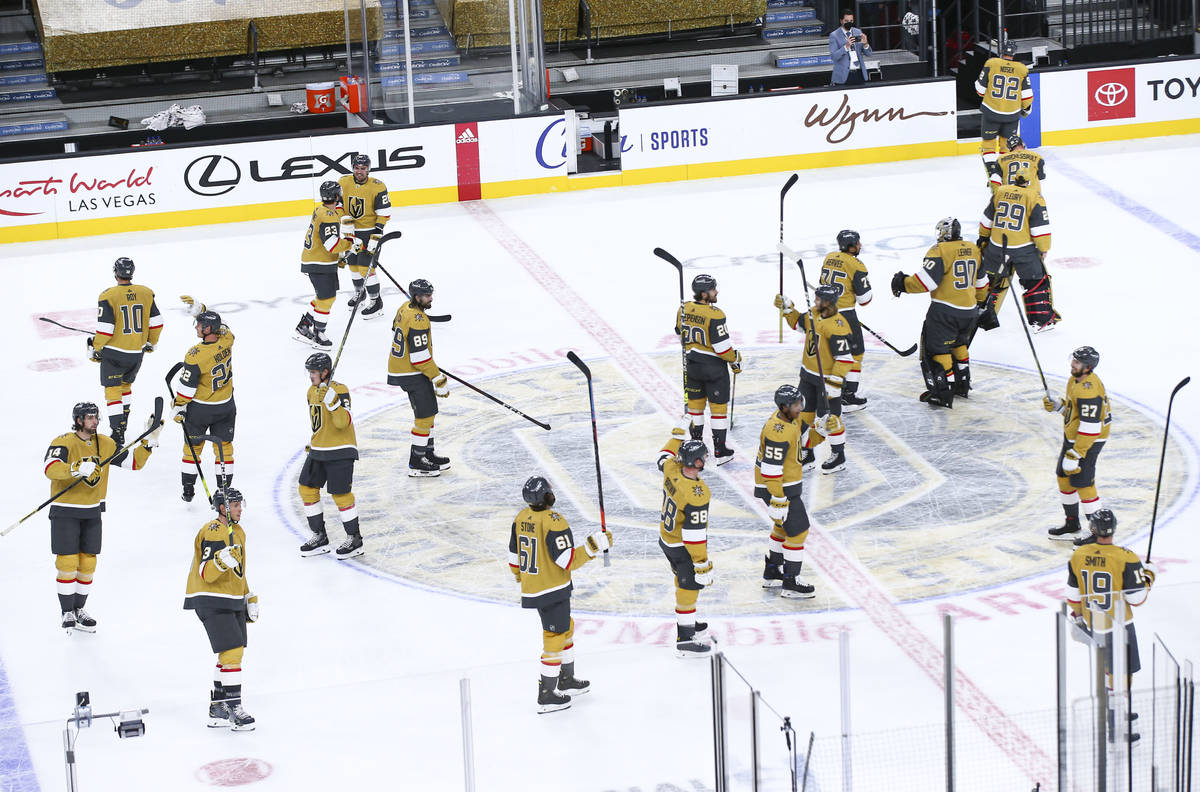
x: 353, y: 671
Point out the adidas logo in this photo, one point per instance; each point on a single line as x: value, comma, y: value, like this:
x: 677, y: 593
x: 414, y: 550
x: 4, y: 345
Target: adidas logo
x: 467, y: 137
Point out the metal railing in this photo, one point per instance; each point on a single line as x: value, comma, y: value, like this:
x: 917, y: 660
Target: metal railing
x: 1084, y: 22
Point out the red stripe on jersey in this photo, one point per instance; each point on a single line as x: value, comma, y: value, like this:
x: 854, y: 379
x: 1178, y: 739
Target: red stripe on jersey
x: 685, y: 612
x: 351, y: 506
x: 1089, y: 434
x: 420, y: 434
x: 83, y: 582
x: 51, y: 462
x: 99, y: 332
x: 65, y: 580
x: 764, y: 475
x: 110, y: 404
x: 1093, y: 500
x: 1072, y: 492
x: 571, y: 560
x: 702, y: 541
x: 231, y: 670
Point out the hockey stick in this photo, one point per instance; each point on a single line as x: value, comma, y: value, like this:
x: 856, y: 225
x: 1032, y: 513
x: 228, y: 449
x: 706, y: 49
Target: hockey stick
x: 502, y: 403
x: 432, y: 317
x: 587, y: 373
x: 1161, y: 459
x: 158, y: 408
x: 360, y: 295
x: 783, y: 194
x: 1024, y: 324
x: 678, y: 265
x: 65, y: 327
x: 186, y: 437
x: 822, y: 396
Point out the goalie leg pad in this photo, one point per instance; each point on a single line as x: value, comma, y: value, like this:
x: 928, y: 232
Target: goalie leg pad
x: 1039, y: 301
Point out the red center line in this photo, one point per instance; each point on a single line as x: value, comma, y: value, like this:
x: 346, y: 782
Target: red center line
x: 840, y: 566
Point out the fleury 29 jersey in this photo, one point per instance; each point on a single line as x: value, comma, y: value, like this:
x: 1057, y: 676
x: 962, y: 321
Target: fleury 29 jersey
x: 127, y: 318
x: 1095, y: 573
x: 683, y: 521
x: 367, y: 203
x: 777, y: 468
x: 1086, y: 414
x: 952, y: 274
x: 702, y: 327
x: 207, y: 376
x: 412, y: 345
x: 87, y: 499
x: 830, y: 337
x: 323, y: 243
x: 541, y: 553
x: 1004, y: 87
x: 1019, y: 214
x: 210, y: 584
x: 850, y: 276
x: 332, y: 432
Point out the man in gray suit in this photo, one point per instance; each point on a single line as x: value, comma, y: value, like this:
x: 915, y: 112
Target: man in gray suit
x: 848, y: 46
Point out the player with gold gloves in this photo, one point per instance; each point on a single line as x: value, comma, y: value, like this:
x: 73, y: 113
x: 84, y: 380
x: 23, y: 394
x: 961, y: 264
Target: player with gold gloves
x: 683, y: 535
x: 541, y: 556
x: 330, y: 235
x: 710, y: 356
x: 778, y: 474
x: 219, y: 594
x: 1086, y: 422
x: 365, y: 199
x: 75, y: 518
x: 411, y: 366
x: 827, y: 359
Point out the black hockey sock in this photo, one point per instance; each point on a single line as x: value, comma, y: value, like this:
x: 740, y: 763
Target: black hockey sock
x: 233, y: 693
x: 351, y: 527
x: 80, y: 599
x: 373, y: 290
x: 791, y: 569
x: 838, y: 449
x: 66, y: 602
x: 1072, y: 510
x: 568, y: 670
x: 224, y: 482
x: 316, y: 523
x: 189, y: 479
x: 774, y: 558
x: 357, y: 284
x: 719, y: 438
x: 849, y: 387
x: 115, y: 422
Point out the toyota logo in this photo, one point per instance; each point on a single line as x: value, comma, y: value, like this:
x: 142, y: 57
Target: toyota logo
x: 212, y: 175
x: 1111, y: 94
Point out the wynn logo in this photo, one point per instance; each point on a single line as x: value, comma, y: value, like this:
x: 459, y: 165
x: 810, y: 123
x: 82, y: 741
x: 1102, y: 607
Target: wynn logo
x: 842, y: 121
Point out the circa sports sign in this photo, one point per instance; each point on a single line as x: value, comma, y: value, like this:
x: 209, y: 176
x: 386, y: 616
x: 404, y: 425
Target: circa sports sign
x: 927, y: 517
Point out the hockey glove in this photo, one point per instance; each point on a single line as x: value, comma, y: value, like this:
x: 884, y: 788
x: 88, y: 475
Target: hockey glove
x: 1052, y: 405
x: 347, y: 226
x: 833, y: 387
x: 1070, y: 461
x: 331, y: 399
x: 93, y: 353
x: 194, y: 308
x: 703, y: 572
x: 663, y: 456
x: 151, y: 439
x: 373, y: 242
x: 1149, y: 573
x: 682, y: 426
x: 252, y: 607
x: 147, y: 347
x: 898, y: 284
x: 225, y: 559
x: 736, y: 364
x: 597, y: 543
x: 356, y: 244
x: 783, y: 303
x: 440, y: 387
x: 177, y: 413
x: 83, y: 469
x: 778, y: 509
x: 1079, y: 629
x: 982, y: 244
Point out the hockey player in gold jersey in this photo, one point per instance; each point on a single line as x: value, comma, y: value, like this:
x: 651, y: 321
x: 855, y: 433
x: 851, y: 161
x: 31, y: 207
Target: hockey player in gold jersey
x: 411, y: 366
x: 1102, y: 577
x: 826, y: 361
x: 204, y: 402
x: 1086, y: 422
x: 843, y: 269
x: 330, y: 461
x: 778, y: 474
x: 683, y: 535
x: 1019, y: 161
x: 127, y: 325
x: 541, y: 556
x: 330, y: 234
x: 708, y: 350
x: 1006, y: 96
x: 219, y: 594
x: 1016, y: 214
x: 365, y: 198
x: 75, y: 518
x: 955, y: 281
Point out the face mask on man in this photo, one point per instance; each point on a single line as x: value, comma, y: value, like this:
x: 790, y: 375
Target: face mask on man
x: 847, y: 25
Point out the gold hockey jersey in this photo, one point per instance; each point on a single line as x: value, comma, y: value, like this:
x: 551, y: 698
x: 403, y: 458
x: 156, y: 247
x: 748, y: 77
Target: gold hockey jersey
x: 368, y: 203
x: 829, y: 335
x: 332, y: 431
x: 541, y: 553
x: 127, y: 318
x: 777, y: 466
x: 1018, y: 213
x: 323, y: 243
x: 849, y: 275
x: 210, y: 584
x: 207, y: 375
x: 1095, y: 572
x: 64, y: 455
x: 683, y: 521
x: 702, y: 327
x: 1019, y: 163
x: 1086, y: 416
x: 952, y: 275
x: 412, y: 345
x: 1004, y: 87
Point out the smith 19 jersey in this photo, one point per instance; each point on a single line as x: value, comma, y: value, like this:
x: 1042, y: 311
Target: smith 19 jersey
x: 1095, y: 572
x: 1004, y: 87
x: 777, y: 467
x: 1019, y: 163
x: 829, y: 335
x: 951, y: 274
x: 1086, y: 416
x: 367, y: 203
x: 1018, y: 213
x: 702, y: 327
x: 207, y: 375
x: 412, y: 345
x: 541, y: 552
x: 332, y: 432
x: 849, y: 275
x: 127, y: 319
x: 323, y: 242
x: 209, y: 586
x: 87, y: 499
x: 683, y: 521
